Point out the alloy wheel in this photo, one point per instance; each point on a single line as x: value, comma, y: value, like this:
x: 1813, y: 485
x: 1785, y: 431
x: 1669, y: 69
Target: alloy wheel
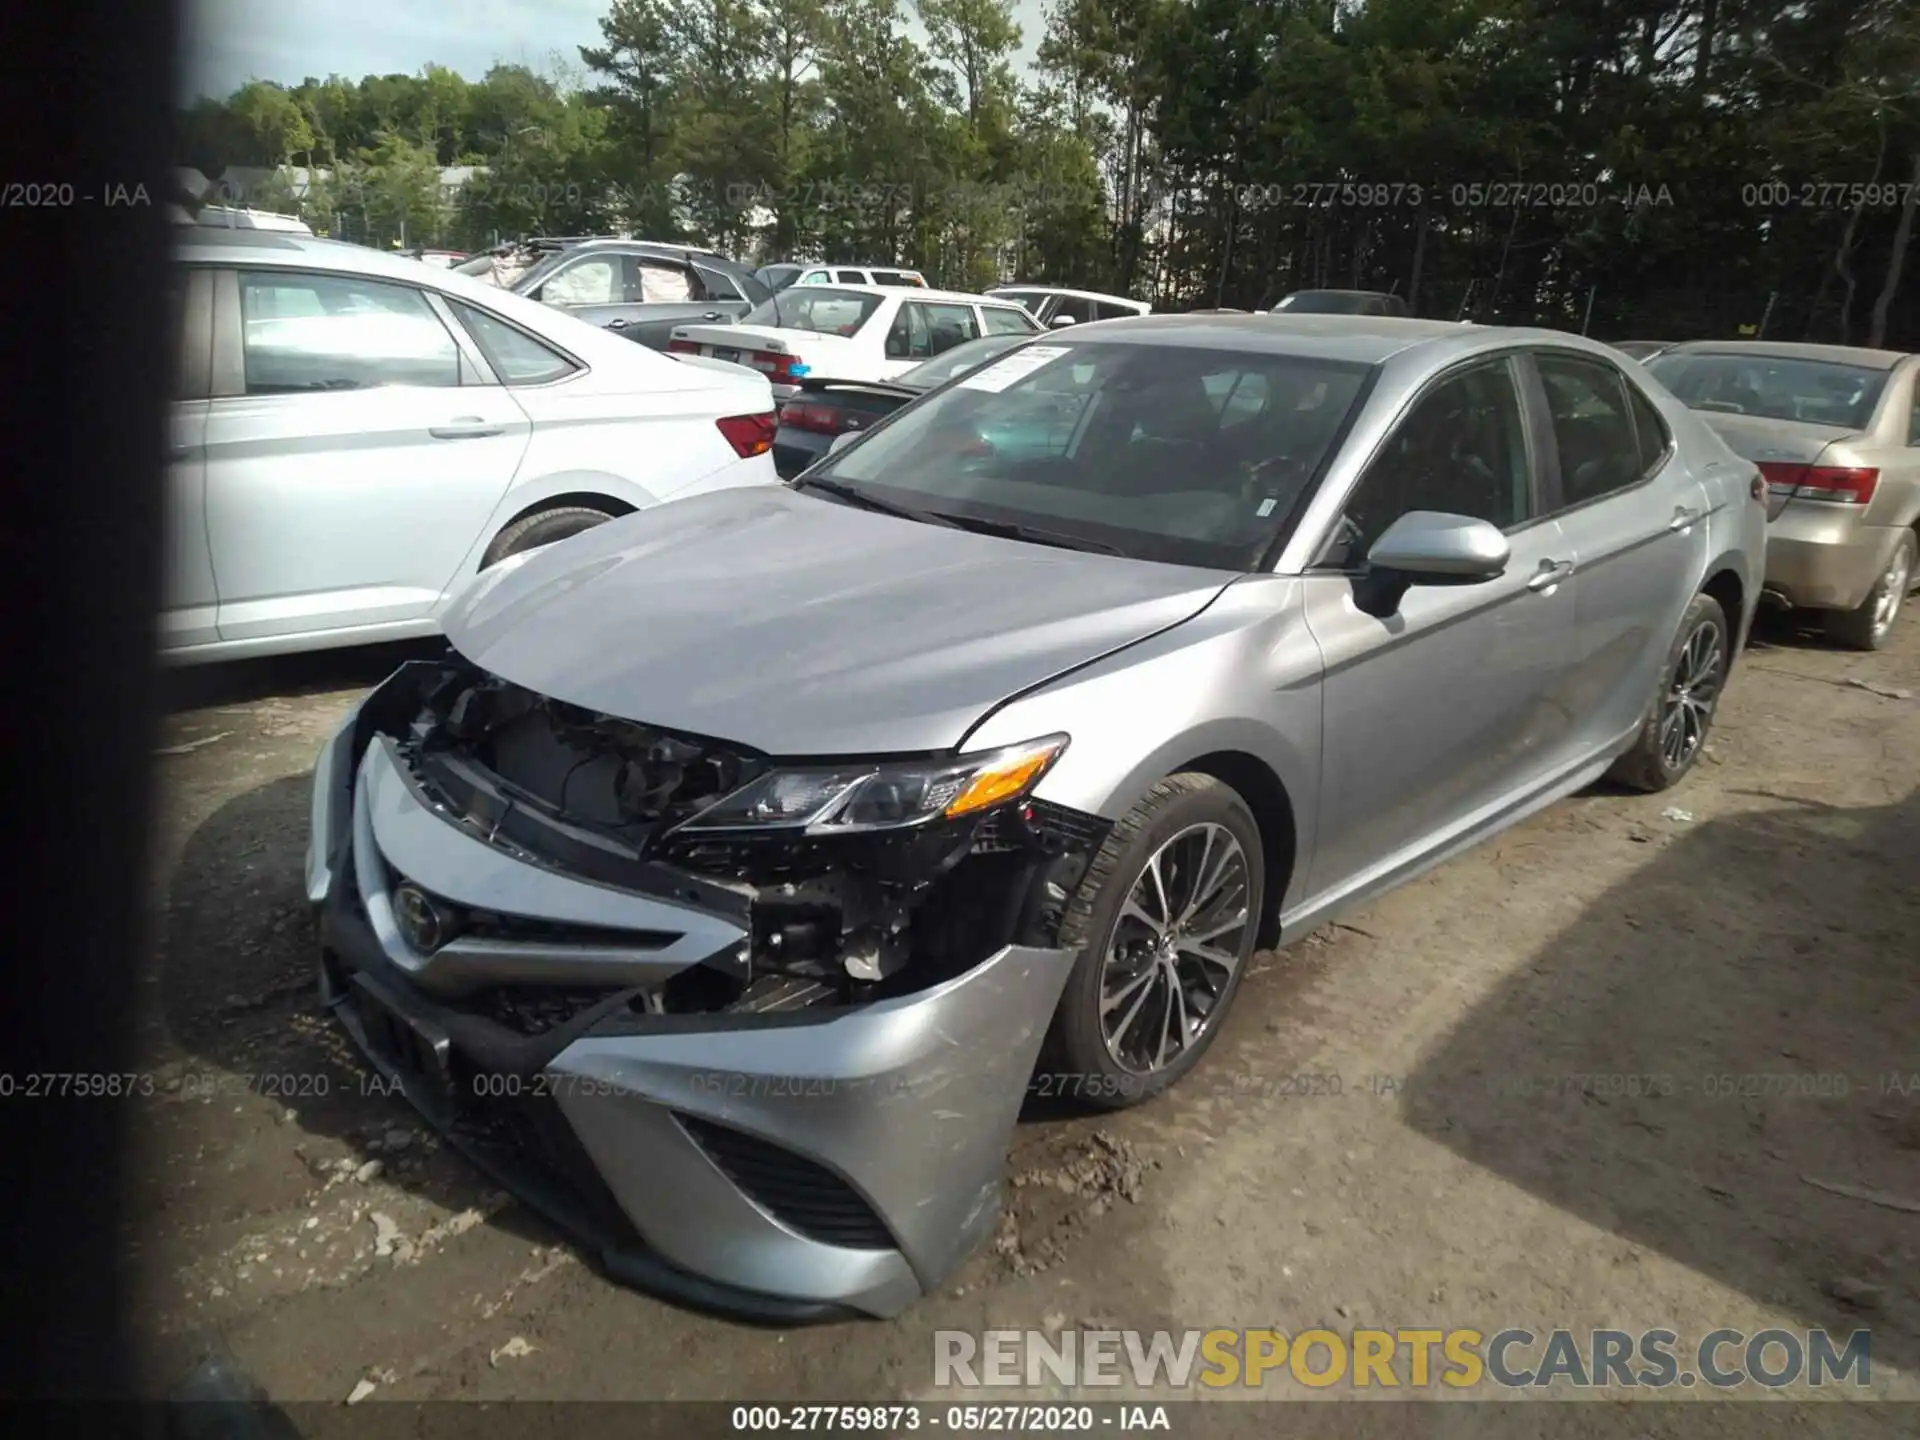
x: 1176, y: 946
x: 1688, y: 707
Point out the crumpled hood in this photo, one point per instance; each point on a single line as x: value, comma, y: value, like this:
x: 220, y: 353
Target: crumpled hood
x: 800, y: 626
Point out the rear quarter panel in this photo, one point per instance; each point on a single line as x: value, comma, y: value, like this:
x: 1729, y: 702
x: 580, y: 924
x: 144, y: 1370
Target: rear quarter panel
x: 636, y: 447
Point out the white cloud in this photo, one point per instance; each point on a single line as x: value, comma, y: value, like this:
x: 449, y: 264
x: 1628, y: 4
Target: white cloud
x: 232, y: 41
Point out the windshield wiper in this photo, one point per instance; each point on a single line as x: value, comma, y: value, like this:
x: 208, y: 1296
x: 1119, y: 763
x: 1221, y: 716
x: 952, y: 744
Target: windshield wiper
x: 841, y: 490
x: 1029, y: 533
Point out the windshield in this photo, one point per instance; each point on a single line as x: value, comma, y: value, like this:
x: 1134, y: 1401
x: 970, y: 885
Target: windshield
x: 957, y: 361
x: 1773, y: 387
x: 1174, y: 453
x: 824, y: 311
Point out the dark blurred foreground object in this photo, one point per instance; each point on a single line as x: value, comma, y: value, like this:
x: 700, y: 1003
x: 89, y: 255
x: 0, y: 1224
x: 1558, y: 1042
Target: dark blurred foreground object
x: 220, y: 1402
x: 88, y: 95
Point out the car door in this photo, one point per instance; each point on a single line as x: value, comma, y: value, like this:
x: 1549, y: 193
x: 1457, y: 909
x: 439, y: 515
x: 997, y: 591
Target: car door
x: 1637, y: 524
x: 661, y: 294
x: 356, y: 444
x: 189, y: 605
x: 1450, y: 711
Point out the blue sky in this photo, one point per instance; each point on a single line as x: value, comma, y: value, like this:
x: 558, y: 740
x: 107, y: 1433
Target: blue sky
x: 232, y: 41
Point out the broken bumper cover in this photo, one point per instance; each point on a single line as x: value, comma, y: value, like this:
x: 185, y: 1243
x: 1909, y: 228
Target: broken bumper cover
x: 777, y: 1166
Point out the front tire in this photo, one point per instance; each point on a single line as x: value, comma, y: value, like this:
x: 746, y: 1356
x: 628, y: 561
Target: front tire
x: 1867, y: 627
x: 1167, y: 919
x: 1691, y: 683
x: 543, y: 527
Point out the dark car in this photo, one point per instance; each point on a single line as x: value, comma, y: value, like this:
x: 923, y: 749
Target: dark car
x: 824, y: 408
x: 1343, y: 302
x: 641, y: 288
x: 778, y: 277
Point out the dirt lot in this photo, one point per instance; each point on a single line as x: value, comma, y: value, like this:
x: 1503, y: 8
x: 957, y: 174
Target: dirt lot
x: 1762, y: 921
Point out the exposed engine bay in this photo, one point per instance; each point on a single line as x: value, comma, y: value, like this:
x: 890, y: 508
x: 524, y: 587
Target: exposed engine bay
x: 836, y: 919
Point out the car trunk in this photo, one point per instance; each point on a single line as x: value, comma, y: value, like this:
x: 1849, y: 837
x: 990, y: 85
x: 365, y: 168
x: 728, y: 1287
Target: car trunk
x: 783, y: 356
x: 818, y: 411
x: 1785, y: 450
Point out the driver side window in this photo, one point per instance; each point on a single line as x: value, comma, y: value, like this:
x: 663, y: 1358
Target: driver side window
x: 1461, y: 450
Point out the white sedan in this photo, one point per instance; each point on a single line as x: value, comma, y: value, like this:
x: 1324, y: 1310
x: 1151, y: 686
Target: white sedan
x: 850, y: 332
x: 356, y: 435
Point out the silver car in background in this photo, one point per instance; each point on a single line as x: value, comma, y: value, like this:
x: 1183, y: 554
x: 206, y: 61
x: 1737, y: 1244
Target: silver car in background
x: 720, y: 891
x: 1836, y: 433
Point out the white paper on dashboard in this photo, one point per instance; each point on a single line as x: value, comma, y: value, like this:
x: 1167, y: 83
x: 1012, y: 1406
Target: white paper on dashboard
x: 1009, y: 369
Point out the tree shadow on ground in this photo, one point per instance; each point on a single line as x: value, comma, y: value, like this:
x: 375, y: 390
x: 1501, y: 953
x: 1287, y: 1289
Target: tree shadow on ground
x: 1706, y: 1048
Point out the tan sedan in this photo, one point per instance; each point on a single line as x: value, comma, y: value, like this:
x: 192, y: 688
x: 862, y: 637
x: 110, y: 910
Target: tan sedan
x: 1836, y: 431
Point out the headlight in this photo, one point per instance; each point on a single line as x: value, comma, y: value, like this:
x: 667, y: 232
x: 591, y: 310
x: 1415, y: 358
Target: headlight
x: 852, y: 798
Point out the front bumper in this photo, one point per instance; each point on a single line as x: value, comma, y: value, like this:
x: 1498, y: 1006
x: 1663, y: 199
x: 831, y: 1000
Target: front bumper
x: 1821, y: 557
x: 775, y: 1166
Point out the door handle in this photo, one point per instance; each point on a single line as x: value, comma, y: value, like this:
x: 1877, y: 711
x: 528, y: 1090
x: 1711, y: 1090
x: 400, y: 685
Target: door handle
x: 1683, y: 518
x: 616, y: 324
x: 467, y: 427
x: 1550, y: 574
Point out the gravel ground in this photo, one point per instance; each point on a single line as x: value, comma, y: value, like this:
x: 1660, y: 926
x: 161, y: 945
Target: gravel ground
x: 1762, y: 921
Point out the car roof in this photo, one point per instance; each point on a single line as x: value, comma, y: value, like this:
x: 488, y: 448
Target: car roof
x: 1788, y: 350
x: 918, y: 292
x: 653, y: 247
x: 1063, y: 290
x: 1363, y: 339
x: 1369, y: 293
x: 217, y: 245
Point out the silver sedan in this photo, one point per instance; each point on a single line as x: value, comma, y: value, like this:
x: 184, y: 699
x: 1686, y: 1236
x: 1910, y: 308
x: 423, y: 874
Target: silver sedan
x: 724, y: 890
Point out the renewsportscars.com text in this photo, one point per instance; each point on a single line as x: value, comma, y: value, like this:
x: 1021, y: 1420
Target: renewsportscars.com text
x: 1458, y: 1358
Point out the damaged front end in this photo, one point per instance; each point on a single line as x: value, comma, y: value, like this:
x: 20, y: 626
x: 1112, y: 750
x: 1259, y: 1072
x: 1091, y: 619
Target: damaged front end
x: 758, y: 1031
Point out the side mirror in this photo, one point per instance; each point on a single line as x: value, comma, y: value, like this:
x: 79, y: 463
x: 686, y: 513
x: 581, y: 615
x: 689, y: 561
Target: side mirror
x: 1425, y: 547
x: 842, y: 440
x: 1060, y: 322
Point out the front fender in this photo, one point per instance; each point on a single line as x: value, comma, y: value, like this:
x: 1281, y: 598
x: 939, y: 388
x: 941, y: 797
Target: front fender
x: 1243, y: 676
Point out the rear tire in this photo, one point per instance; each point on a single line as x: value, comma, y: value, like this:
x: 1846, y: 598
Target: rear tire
x: 1196, y: 837
x: 543, y: 527
x: 1868, y: 626
x: 1681, y: 716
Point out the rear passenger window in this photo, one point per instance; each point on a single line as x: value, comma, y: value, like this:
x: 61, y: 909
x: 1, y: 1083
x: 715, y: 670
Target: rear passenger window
x: 851, y: 277
x: 1648, y: 429
x: 656, y: 282
x: 1592, y: 427
x: 716, y: 285
x: 517, y: 358
x: 950, y: 325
